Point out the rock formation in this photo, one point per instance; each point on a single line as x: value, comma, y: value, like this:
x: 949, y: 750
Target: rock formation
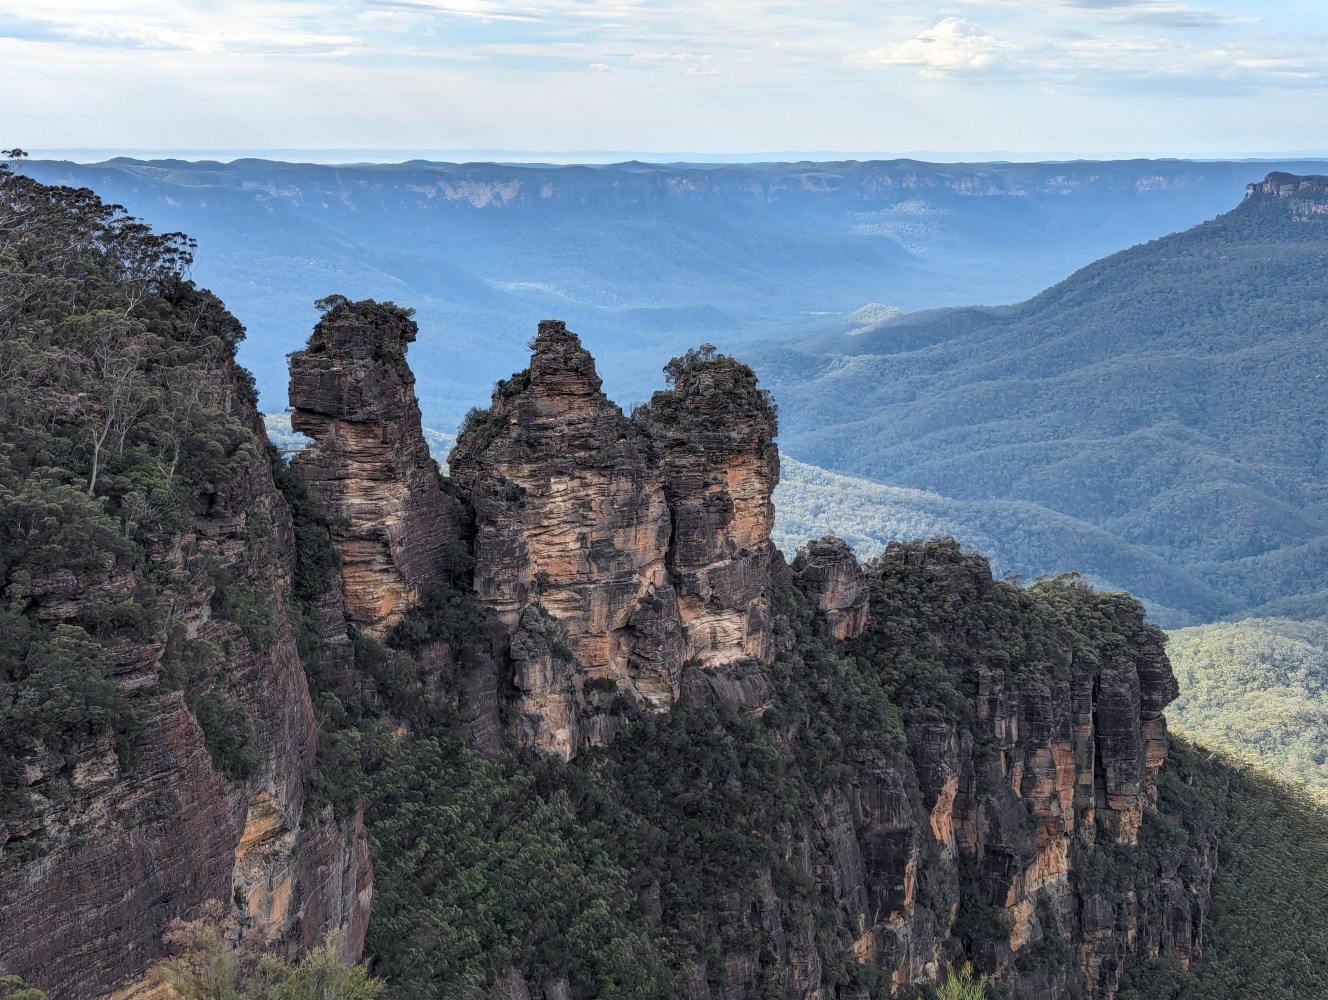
x: 1059, y: 759
x: 829, y: 572
x: 870, y: 774
x: 1305, y: 197
x: 369, y: 468
x: 117, y: 848
x: 572, y: 532
x: 712, y: 436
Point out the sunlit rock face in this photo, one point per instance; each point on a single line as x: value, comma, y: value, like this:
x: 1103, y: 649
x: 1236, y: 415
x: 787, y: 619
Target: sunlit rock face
x: 1057, y: 763
x: 712, y: 435
x: 369, y: 469
x: 572, y: 533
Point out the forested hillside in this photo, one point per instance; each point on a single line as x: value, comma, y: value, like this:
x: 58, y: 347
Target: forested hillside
x: 1257, y: 689
x: 156, y: 735
x: 1169, y: 395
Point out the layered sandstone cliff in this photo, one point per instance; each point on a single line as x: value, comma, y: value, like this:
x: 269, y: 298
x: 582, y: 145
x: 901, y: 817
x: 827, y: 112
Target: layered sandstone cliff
x: 1304, y: 197
x: 572, y: 530
x: 712, y: 436
x: 105, y: 849
x: 983, y: 834
x: 369, y: 469
x: 829, y: 572
x: 993, y: 829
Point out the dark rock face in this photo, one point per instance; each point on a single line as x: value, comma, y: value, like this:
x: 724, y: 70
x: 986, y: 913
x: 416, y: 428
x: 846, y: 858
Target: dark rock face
x: 572, y: 532
x: 829, y: 573
x: 1070, y: 762
x: 712, y: 435
x: 118, y: 851
x: 369, y: 469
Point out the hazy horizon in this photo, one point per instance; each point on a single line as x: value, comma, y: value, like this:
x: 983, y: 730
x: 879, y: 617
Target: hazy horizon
x: 369, y: 155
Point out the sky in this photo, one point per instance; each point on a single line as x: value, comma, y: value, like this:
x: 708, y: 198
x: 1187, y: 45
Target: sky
x: 1054, y: 78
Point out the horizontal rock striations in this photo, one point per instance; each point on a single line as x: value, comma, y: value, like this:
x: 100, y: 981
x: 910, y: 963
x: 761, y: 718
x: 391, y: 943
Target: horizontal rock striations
x: 712, y: 436
x: 1057, y: 766
x: 1305, y: 197
x: 369, y: 469
x: 103, y: 851
x: 572, y: 530
x: 628, y: 566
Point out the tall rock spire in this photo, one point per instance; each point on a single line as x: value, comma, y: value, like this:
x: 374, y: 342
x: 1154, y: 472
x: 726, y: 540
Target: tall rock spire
x: 713, y: 437
x: 571, y: 535
x: 369, y: 469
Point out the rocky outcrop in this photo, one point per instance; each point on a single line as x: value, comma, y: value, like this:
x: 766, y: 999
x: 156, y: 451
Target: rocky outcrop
x: 572, y: 530
x: 1305, y: 197
x: 1059, y: 763
x: 712, y: 436
x: 828, y: 572
x: 1004, y: 827
x: 103, y: 850
x: 369, y: 469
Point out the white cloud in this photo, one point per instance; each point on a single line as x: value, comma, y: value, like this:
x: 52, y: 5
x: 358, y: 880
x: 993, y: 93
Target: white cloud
x: 955, y: 45
x: 663, y: 57
x: 202, y: 66
x: 278, y: 28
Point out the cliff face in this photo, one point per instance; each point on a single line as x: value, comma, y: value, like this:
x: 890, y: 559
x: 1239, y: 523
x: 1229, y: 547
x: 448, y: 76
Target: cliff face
x: 1057, y: 766
x: 1305, y: 197
x: 1020, y: 775
x: 1004, y: 827
x: 117, y: 848
x: 713, y: 439
x: 572, y: 530
x: 618, y: 551
x: 369, y: 469
x: 828, y: 571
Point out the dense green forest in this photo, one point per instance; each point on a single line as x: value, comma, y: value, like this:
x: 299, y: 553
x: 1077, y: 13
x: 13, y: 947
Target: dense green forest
x: 114, y: 416
x: 1168, y: 397
x: 1257, y: 689
x: 1020, y: 537
x: 1267, y: 933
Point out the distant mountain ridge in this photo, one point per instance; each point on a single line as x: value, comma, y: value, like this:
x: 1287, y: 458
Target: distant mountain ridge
x: 1170, y: 395
x: 643, y: 259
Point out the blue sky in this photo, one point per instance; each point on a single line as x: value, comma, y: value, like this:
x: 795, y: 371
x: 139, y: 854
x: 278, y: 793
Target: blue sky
x: 1062, y: 77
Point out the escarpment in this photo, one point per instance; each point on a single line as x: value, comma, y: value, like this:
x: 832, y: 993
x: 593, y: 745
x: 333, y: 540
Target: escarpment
x: 1305, y: 197
x: 369, y: 468
x: 819, y: 780
x: 206, y: 797
x: 1032, y: 775
x: 622, y: 557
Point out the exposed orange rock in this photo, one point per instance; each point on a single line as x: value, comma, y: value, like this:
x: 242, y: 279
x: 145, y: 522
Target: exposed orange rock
x: 369, y: 469
x: 712, y: 435
x: 571, y: 520
x: 828, y: 571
